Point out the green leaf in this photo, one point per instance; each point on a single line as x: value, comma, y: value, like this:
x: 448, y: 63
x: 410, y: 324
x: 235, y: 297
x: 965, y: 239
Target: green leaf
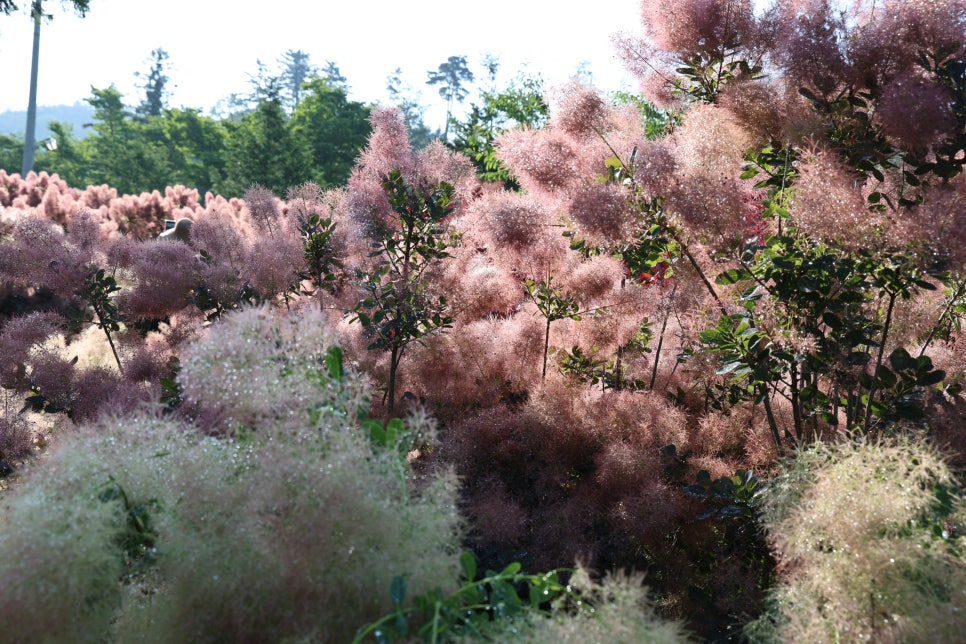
x: 401, y: 625
x: 511, y: 569
x: 711, y: 336
x: 901, y: 360
x: 807, y: 284
x: 397, y: 590
x: 696, y: 490
x: 931, y: 378
x: 886, y: 377
x: 333, y: 362
x: 377, y: 433
x: 810, y: 96
x: 468, y: 564
x: 614, y: 162
x: 733, y: 276
x: 394, y: 430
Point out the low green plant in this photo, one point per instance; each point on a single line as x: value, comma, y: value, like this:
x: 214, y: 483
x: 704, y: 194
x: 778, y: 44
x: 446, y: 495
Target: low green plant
x: 97, y: 291
x: 553, y: 305
x: 322, y: 264
x: 472, y: 609
x: 609, y: 372
x: 398, y: 310
x: 730, y: 497
x: 138, y: 538
x: 734, y: 509
x: 617, y: 608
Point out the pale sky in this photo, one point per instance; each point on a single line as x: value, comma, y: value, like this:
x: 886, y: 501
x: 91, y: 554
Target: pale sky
x: 213, y: 45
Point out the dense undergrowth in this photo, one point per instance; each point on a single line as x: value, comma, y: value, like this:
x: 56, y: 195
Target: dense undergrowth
x: 727, y: 357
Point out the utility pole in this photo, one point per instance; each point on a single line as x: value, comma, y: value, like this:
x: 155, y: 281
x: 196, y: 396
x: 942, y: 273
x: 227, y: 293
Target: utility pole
x: 29, y: 142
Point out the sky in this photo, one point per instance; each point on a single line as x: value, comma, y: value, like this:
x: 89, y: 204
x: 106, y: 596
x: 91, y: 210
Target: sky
x: 214, y: 45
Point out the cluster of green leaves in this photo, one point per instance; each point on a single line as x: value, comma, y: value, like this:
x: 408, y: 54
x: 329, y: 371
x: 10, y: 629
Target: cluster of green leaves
x: 95, y: 307
x: 520, y: 104
x: 831, y: 313
x: 652, y: 252
x: 705, y: 74
x: 387, y: 435
x: 861, y: 143
x: 138, y: 535
x: 851, y: 131
x: 323, y: 267
x: 397, y: 309
x: 657, y: 122
x: 950, y: 320
x: 472, y: 609
x: 774, y: 166
x: 734, y: 503
x: 729, y: 496
x: 607, y: 371
x: 949, y: 156
x: 553, y: 305
x: 97, y: 291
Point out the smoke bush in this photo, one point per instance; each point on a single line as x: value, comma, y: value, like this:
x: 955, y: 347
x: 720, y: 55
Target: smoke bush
x: 16, y: 437
x: 141, y: 528
x: 165, y: 274
x: 870, y: 545
x: 622, y: 613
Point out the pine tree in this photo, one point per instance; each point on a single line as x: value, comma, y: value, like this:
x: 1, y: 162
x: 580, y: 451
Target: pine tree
x: 451, y: 77
x: 155, y: 85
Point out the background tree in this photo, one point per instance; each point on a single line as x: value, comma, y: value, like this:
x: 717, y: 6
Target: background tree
x: 262, y: 148
x: 196, y: 148
x: 72, y: 157
x: 451, y: 78
x: 11, y: 150
x: 334, y: 75
x: 403, y: 96
x: 334, y: 128
x: 136, y: 150
x: 128, y: 157
x: 37, y: 14
x: 296, y: 69
x: 520, y: 104
x: 155, y: 85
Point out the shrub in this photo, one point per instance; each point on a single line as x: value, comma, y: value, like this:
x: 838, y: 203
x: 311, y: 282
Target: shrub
x: 293, y: 525
x: 621, y: 613
x: 869, y: 541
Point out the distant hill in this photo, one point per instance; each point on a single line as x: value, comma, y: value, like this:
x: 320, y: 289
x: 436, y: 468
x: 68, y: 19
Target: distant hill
x: 15, y: 122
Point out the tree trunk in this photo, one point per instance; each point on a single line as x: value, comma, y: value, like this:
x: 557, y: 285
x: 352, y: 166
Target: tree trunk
x: 394, y: 356
x: 772, y: 422
x: 546, y: 347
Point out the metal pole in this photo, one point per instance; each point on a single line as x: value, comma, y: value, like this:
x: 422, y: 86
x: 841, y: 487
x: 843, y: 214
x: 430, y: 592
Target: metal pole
x: 29, y: 142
